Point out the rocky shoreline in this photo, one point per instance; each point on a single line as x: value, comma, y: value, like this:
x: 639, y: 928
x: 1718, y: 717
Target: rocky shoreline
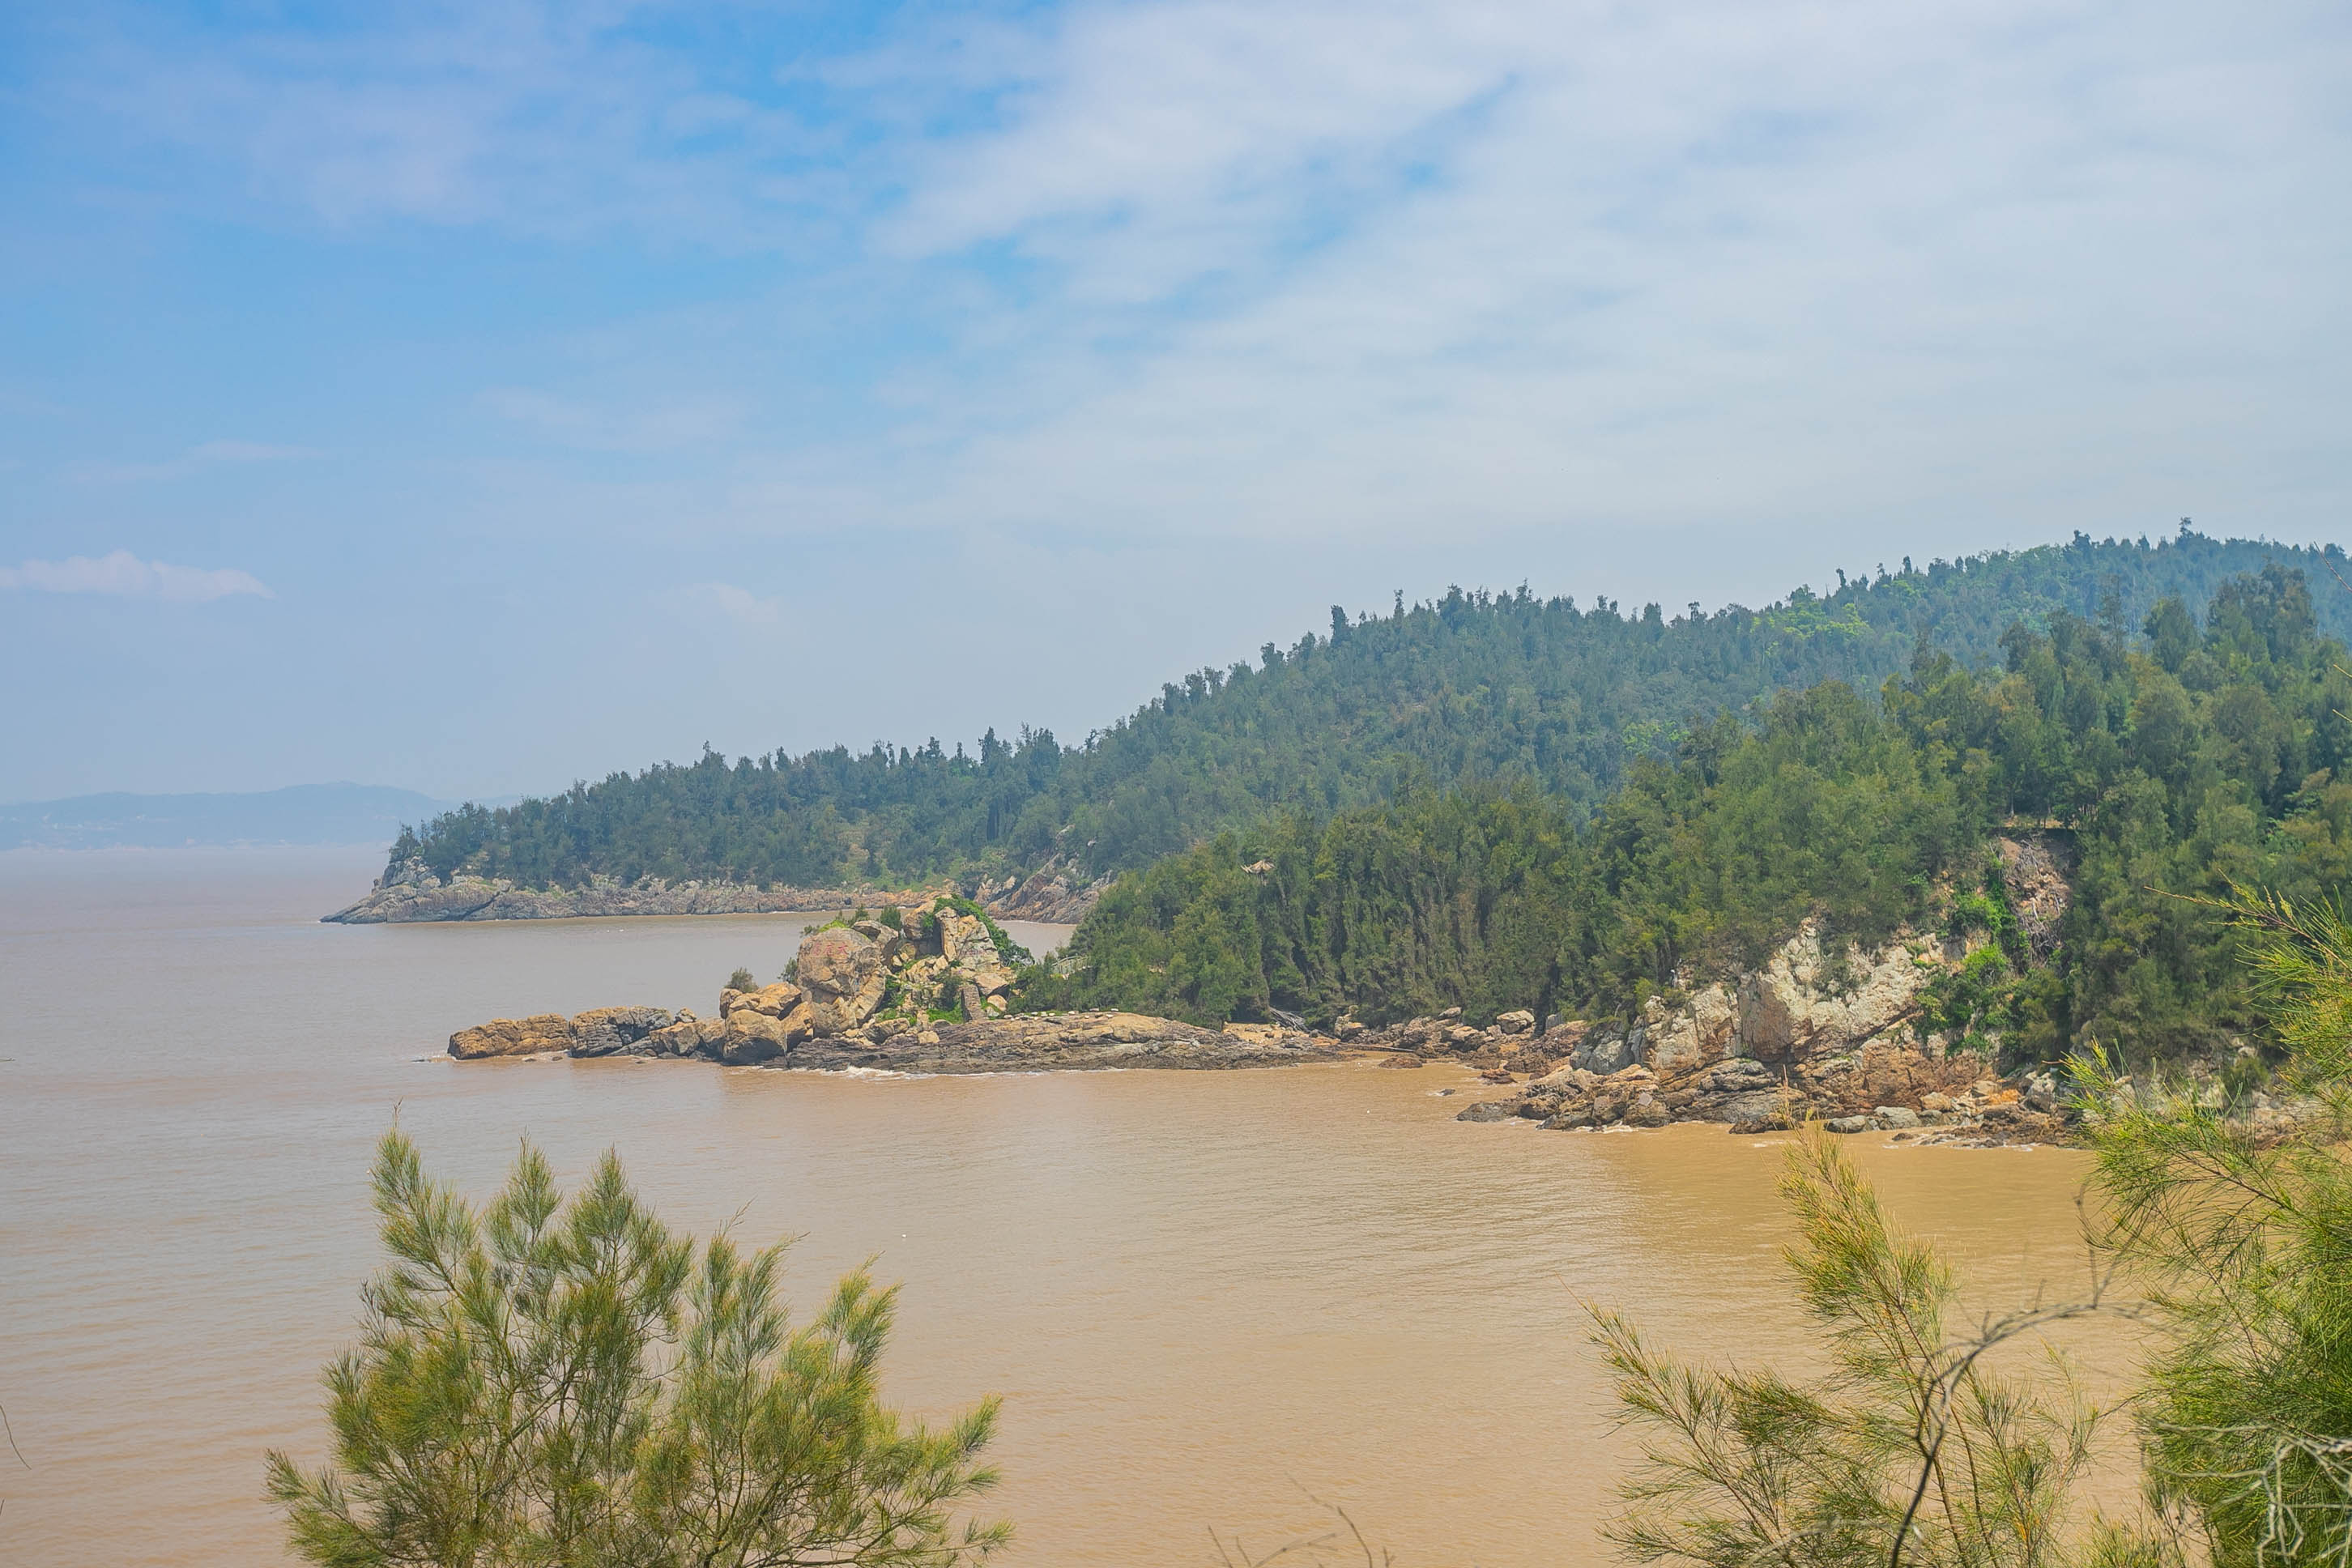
x: 415, y: 893
x: 1029, y: 1042
x: 926, y: 986
x: 1810, y: 1035
x: 922, y: 987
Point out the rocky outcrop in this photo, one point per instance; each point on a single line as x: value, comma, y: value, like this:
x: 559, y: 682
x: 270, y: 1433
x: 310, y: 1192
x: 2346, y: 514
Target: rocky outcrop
x: 2037, y: 870
x: 770, y: 1028
x: 1054, y: 894
x: 539, y: 1033
x: 1039, y: 1042
x: 1827, y: 1035
x: 847, y: 973
x: 613, y: 1031
x: 925, y: 988
x: 600, y: 1032
x: 415, y: 893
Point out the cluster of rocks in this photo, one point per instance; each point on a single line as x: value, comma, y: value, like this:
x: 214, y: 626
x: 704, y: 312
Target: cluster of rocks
x: 1512, y: 1036
x: 923, y: 991
x: 872, y: 980
x: 1877, y: 1089
x: 600, y: 1032
x: 1033, y: 1042
x: 1809, y: 1034
x: 1038, y: 1042
x: 415, y: 893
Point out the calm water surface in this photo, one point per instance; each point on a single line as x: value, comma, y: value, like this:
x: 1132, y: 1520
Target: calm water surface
x: 1204, y: 1296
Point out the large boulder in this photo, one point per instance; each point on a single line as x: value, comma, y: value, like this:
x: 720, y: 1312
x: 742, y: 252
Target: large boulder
x: 1699, y: 1032
x: 615, y: 1031
x: 964, y: 942
x: 513, y: 1037
x: 844, y: 973
x: 1605, y: 1053
x: 752, y: 1037
x: 965, y: 945
x: 1786, y: 1012
x: 776, y: 1000
x: 889, y: 938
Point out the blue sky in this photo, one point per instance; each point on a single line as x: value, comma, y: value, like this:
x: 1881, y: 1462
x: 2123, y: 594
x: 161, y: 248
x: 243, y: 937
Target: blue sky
x: 473, y: 398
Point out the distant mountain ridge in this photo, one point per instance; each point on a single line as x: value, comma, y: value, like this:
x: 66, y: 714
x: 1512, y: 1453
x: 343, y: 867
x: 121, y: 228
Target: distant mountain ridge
x: 299, y: 813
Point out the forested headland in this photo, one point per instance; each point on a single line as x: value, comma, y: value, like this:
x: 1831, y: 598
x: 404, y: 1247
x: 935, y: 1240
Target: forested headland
x: 2171, y: 760
x: 1510, y: 691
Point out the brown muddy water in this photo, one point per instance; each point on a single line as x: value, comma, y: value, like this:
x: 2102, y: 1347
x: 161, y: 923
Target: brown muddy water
x: 1206, y: 1298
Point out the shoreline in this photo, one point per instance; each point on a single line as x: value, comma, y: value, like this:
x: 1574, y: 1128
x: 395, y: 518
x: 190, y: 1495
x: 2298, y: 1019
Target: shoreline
x: 414, y: 896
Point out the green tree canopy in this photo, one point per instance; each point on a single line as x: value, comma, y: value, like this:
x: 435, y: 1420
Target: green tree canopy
x: 565, y: 1381
x: 2149, y: 782
x: 1469, y: 688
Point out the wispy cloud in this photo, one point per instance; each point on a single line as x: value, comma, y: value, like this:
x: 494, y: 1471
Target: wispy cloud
x: 1190, y: 266
x: 122, y: 575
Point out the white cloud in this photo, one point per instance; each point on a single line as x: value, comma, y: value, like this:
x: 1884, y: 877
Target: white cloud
x: 1477, y: 266
x: 1199, y: 266
x: 123, y: 574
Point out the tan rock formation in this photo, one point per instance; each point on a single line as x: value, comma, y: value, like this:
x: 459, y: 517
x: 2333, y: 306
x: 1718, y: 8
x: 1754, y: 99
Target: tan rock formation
x: 844, y: 974
x: 752, y: 1037
x: 513, y: 1037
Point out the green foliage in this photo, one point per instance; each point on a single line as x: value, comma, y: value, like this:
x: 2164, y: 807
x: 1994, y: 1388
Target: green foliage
x: 1913, y: 1449
x: 742, y: 980
x: 1491, y: 900
x: 1910, y: 1451
x: 565, y: 1381
x: 1990, y: 911
x: 2244, y: 1231
x: 1466, y: 688
x: 1994, y: 998
x: 1971, y: 1006
x: 1817, y: 804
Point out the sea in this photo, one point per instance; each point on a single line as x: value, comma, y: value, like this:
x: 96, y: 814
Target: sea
x: 1223, y: 1309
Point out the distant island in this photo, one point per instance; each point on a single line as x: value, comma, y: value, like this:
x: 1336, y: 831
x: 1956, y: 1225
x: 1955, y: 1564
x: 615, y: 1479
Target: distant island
x: 301, y: 814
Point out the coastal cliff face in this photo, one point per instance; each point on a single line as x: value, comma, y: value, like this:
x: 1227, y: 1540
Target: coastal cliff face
x: 1811, y: 1034
x: 414, y: 894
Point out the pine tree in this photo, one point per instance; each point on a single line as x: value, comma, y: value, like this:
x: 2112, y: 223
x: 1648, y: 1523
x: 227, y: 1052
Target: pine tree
x: 565, y: 1381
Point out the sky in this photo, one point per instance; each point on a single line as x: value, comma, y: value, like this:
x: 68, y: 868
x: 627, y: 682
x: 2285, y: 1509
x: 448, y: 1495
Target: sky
x: 475, y: 397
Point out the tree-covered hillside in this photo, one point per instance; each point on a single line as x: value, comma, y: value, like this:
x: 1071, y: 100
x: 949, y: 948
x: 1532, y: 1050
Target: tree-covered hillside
x: 2171, y: 764
x: 1467, y: 689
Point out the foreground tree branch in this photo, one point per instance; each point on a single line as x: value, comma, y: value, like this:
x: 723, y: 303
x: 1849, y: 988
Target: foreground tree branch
x: 564, y: 1382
